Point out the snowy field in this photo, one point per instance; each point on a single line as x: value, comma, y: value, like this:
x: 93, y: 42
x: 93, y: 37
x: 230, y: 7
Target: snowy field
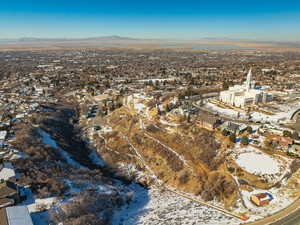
x: 258, y: 164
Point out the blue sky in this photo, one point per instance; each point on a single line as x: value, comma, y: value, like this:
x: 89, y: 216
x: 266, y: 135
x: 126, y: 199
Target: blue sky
x: 189, y: 19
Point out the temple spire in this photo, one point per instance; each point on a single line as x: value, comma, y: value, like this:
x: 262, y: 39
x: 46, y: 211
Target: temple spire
x: 249, y: 79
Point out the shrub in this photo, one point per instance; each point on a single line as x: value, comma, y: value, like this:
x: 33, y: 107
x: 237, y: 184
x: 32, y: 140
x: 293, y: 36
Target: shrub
x: 152, y: 128
x: 268, y: 143
x: 244, y: 140
x: 225, y: 132
x: 287, y: 133
x: 295, y: 166
x: 88, y: 208
x: 183, y: 179
x: 217, y: 186
x: 295, y: 135
x: 249, y: 130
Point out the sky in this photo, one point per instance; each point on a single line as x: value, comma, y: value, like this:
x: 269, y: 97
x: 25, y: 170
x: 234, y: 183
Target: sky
x: 166, y: 19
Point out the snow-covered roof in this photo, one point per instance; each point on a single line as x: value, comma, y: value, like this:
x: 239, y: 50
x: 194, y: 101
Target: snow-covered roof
x: 3, y: 134
x: 7, y: 171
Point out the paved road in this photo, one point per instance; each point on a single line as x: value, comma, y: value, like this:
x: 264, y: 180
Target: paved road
x: 292, y: 219
x: 288, y: 216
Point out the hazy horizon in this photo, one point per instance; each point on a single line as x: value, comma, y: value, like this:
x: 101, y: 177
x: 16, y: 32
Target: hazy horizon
x: 126, y: 38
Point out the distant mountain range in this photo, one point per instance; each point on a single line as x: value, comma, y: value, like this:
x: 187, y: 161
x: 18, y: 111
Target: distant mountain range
x: 102, y: 38
x: 120, y: 38
x: 114, y: 37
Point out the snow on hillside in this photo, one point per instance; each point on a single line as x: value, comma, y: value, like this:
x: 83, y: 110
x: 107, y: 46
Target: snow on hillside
x: 47, y: 140
x: 136, y: 101
x: 153, y: 207
x: 96, y: 159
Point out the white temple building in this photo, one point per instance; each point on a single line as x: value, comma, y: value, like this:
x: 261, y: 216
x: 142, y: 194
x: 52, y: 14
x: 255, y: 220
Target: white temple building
x: 245, y: 95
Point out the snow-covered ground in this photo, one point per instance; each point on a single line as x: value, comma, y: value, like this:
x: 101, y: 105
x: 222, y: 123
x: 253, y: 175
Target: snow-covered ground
x: 280, y: 201
x: 96, y: 159
x: 37, y: 207
x: 258, y: 164
x: 271, y: 168
x: 47, y: 140
x: 284, y: 114
x: 40, y: 218
x: 263, y: 118
x: 231, y: 113
x: 153, y: 207
x: 137, y: 102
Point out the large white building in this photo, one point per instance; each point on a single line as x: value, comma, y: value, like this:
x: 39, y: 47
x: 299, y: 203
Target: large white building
x: 245, y: 95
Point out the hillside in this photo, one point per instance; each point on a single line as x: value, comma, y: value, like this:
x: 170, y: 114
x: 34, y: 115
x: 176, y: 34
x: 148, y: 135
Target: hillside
x: 185, y: 157
x: 162, y: 148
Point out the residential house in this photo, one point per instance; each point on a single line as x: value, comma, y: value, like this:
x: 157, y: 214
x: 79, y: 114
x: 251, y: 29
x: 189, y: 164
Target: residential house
x: 7, y: 171
x: 16, y: 215
x: 282, y: 141
x: 3, y: 134
x: 208, y: 122
x: 266, y: 129
x: 294, y: 150
x: 9, y: 194
x: 261, y: 199
x: 234, y: 127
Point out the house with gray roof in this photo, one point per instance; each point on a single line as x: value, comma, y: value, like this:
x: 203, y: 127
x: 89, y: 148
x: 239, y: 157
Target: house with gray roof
x: 15, y: 215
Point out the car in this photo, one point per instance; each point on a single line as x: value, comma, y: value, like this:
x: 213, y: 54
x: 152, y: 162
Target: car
x: 97, y: 127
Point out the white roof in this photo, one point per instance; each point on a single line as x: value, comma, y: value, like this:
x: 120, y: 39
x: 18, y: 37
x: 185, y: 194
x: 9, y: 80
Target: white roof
x: 18, y: 215
x: 7, y: 171
x: 3, y: 134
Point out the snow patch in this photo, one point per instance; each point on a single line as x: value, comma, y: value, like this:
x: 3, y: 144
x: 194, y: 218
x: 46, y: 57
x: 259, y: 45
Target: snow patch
x: 47, y: 140
x: 153, y: 207
x: 41, y: 204
x: 96, y: 159
x: 258, y: 163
